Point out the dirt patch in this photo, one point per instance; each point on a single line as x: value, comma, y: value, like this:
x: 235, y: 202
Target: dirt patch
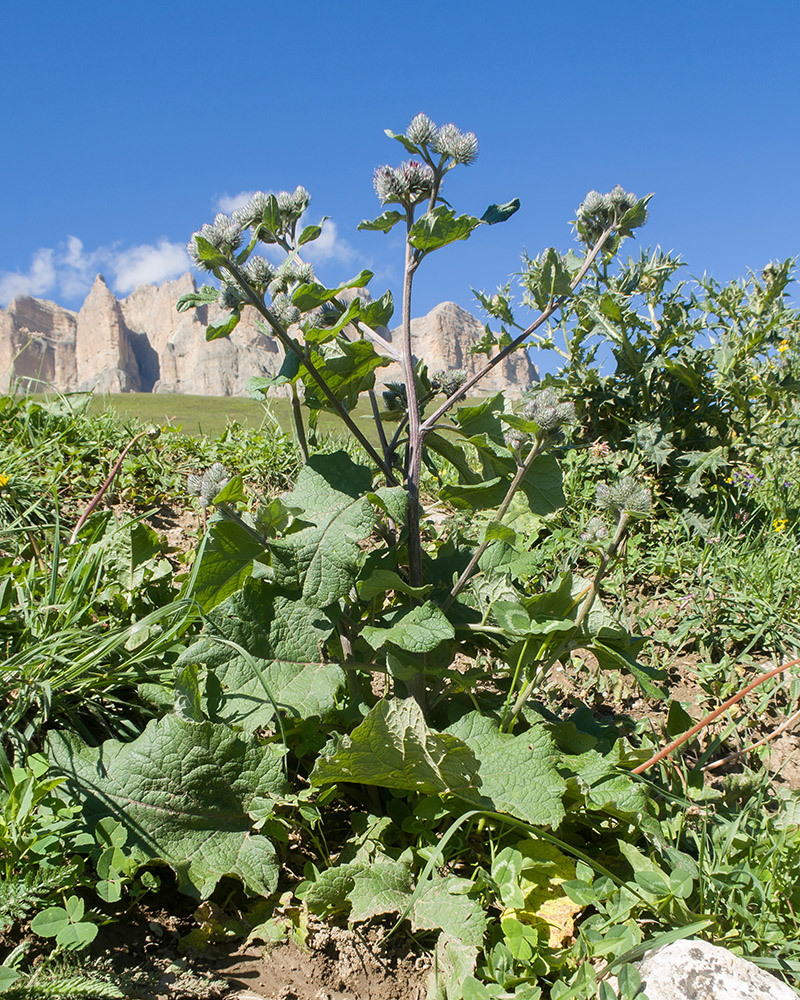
x: 337, y: 963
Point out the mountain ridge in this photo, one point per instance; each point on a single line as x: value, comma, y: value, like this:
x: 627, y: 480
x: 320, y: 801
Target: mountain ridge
x: 141, y: 343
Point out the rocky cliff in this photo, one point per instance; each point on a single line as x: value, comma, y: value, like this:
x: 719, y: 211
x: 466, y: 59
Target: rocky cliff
x: 142, y: 344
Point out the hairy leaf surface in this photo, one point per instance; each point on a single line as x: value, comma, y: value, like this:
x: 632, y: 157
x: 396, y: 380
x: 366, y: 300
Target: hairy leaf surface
x: 182, y: 792
x: 394, y: 748
x: 517, y: 772
x: 321, y: 560
x: 284, y: 639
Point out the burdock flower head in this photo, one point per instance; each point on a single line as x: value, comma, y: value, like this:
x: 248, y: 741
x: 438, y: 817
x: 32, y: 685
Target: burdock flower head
x: 627, y: 496
x: 595, y: 530
x: 461, y: 147
x: 548, y: 411
x: 517, y: 440
x: 224, y: 235
x: 408, y: 184
x: 253, y: 212
x: 599, y: 213
x: 230, y: 297
x: 448, y: 382
x: 421, y: 130
x: 259, y: 272
x: 209, y: 485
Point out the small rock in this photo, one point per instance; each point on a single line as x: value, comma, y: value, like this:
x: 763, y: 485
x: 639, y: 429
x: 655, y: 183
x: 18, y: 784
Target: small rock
x: 696, y: 970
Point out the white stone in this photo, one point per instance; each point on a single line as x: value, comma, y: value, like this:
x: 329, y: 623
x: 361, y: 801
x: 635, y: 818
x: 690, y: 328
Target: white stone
x: 696, y: 970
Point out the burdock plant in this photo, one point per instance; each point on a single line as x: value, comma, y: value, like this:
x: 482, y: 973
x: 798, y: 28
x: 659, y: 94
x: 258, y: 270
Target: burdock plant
x: 333, y: 346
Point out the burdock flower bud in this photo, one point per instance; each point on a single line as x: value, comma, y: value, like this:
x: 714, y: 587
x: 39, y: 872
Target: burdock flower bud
x: 548, y: 411
x: 285, y: 311
x: 292, y: 204
x: 407, y: 184
x: 224, y: 234
x: 304, y: 273
x: 253, y: 212
x: 209, y: 485
x: 301, y: 199
x: 517, y: 440
x: 259, y: 271
x: 394, y: 397
x: 448, y: 382
x: 421, y: 130
x: 230, y: 297
x: 461, y: 147
x: 323, y: 316
x: 595, y: 530
x: 288, y: 274
x: 621, y: 199
x: 626, y: 496
x: 599, y: 213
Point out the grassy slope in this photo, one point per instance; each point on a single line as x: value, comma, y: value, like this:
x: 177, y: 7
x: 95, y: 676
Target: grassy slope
x: 210, y: 414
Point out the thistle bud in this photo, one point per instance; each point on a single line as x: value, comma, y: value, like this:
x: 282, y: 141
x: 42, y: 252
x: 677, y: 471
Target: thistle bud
x: 448, y: 382
x: 595, y: 530
x: 626, y: 496
x: 546, y: 409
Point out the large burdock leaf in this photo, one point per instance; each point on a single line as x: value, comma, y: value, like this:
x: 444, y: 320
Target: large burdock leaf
x: 419, y: 630
x: 394, y: 748
x: 321, y: 559
x: 381, y: 885
x: 276, y: 659
x: 472, y: 760
x: 182, y: 792
x: 517, y: 774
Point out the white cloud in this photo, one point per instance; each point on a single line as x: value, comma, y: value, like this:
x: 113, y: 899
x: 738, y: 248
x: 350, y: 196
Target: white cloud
x: 329, y: 246
x: 67, y: 271
x: 230, y: 202
x: 149, y: 265
x: 39, y: 279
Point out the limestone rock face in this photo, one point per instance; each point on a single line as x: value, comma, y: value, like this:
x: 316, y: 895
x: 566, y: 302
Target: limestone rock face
x: 181, y: 359
x: 143, y: 344
x: 104, y: 354
x: 442, y: 340
x: 691, y: 970
x: 37, y: 345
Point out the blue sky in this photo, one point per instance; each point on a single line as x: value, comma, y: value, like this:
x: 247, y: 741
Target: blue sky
x: 126, y: 126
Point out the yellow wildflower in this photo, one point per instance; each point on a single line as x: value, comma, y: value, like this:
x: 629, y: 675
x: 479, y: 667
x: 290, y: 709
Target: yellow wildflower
x: 4, y: 481
x: 783, y: 346
x: 779, y: 523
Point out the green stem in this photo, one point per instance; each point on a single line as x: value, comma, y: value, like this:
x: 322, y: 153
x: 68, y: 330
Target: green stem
x: 522, y: 471
x: 290, y: 345
x: 376, y: 413
x: 416, y: 685
x: 299, y: 427
x: 554, y: 306
x: 605, y: 561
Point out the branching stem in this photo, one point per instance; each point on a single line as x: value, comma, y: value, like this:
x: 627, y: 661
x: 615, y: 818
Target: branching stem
x: 554, y: 306
x: 522, y: 471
